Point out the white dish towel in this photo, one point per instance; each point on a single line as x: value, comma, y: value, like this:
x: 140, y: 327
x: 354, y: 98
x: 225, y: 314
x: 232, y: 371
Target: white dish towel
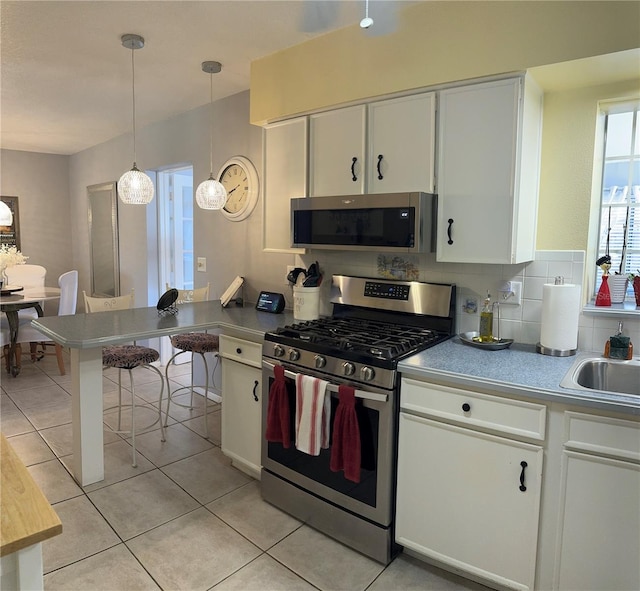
x: 313, y: 414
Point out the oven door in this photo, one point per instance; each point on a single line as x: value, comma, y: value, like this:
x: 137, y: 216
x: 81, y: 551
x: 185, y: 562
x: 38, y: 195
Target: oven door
x: 372, y: 497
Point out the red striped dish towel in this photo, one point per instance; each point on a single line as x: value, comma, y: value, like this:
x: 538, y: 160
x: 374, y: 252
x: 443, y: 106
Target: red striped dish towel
x: 313, y: 414
x: 345, y: 450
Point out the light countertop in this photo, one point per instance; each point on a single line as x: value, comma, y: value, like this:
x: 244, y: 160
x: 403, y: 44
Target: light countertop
x: 86, y: 331
x: 517, y: 370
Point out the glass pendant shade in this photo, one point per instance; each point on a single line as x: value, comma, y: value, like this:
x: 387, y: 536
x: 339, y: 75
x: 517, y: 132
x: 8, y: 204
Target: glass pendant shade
x: 211, y: 194
x: 135, y: 187
x: 6, y: 215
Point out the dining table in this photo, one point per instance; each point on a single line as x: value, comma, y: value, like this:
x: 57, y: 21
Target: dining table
x: 86, y: 334
x: 12, y: 300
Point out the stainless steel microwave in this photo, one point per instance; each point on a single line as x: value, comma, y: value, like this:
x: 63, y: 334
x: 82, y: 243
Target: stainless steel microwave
x: 391, y: 222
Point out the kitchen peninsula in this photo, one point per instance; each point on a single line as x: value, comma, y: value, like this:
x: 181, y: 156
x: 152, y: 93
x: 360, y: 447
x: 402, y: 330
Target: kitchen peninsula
x: 86, y: 334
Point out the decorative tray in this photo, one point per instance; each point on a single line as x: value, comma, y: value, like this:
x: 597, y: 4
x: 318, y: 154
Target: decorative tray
x: 7, y: 289
x: 469, y: 338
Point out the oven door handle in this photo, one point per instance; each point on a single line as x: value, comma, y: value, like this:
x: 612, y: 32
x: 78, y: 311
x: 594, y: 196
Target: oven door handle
x: 333, y: 388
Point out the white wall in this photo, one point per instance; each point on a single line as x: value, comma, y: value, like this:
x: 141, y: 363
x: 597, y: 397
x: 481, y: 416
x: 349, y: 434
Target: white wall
x: 231, y: 248
x: 41, y: 183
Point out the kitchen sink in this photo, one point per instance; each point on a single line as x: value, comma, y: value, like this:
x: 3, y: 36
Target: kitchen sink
x: 595, y: 372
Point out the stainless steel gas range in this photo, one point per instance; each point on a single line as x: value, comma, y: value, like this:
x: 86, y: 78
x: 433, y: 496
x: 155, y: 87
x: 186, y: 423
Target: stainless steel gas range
x: 374, y: 324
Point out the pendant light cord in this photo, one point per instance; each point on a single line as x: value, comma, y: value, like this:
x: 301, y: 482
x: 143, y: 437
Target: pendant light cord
x: 133, y: 94
x: 211, y: 124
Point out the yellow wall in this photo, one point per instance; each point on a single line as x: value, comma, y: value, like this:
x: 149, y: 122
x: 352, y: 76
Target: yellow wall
x: 566, y: 180
x: 437, y: 42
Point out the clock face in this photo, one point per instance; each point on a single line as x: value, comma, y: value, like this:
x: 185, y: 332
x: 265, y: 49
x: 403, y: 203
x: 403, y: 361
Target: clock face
x: 240, y: 179
x: 236, y: 182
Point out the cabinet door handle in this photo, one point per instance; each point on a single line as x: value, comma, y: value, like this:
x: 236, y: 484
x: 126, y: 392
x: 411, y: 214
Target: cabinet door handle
x: 380, y: 177
x: 255, y: 387
x: 239, y: 351
x: 449, y: 228
x: 466, y: 407
x: 522, y: 485
x: 354, y: 178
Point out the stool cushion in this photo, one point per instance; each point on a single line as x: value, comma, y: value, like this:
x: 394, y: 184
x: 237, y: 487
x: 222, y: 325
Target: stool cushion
x: 128, y: 356
x: 196, y: 342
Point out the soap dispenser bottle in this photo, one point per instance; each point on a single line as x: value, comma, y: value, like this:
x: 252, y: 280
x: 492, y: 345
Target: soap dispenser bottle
x: 486, y: 321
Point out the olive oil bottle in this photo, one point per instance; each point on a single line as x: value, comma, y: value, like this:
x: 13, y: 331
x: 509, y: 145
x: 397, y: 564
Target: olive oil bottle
x: 486, y: 321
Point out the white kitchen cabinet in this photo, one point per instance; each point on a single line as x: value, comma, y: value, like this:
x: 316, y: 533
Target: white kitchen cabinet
x: 488, y: 171
x: 241, y: 406
x: 383, y: 147
x: 599, y: 523
x: 337, y: 148
x: 402, y: 144
x: 468, y: 499
x: 285, y: 177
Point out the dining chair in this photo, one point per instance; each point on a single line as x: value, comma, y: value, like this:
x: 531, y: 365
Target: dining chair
x: 27, y: 276
x: 198, y: 343
x: 68, y: 284
x: 127, y: 357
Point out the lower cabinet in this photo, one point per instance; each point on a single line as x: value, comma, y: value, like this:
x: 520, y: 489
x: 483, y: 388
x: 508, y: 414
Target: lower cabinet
x: 241, y: 405
x: 467, y: 499
x: 473, y: 497
x: 599, y: 527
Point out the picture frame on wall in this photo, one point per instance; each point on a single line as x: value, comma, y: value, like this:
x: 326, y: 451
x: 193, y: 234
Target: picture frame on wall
x: 11, y: 234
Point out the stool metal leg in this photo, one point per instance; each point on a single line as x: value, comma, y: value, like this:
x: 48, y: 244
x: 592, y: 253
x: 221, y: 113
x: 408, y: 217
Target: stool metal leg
x: 170, y: 394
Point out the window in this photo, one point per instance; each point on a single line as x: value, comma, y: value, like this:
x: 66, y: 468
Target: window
x: 619, y: 235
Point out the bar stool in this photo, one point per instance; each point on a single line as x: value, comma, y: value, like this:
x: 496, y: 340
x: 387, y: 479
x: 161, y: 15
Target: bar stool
x: 199, y: 343
x: 127, y: 357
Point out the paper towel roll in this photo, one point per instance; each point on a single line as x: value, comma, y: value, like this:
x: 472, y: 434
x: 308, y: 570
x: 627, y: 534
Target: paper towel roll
x: 560, y: 314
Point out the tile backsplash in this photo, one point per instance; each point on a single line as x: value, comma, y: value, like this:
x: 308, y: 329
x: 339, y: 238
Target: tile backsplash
x: 518, y: 322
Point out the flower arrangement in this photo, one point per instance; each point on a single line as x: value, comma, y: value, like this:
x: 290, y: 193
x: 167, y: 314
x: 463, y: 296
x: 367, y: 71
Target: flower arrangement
x: 9, y: 256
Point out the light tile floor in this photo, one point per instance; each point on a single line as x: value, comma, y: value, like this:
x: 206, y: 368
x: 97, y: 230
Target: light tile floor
x: 184, y: 518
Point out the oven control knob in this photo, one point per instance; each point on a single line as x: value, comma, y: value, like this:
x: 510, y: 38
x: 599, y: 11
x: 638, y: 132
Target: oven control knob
x: 348, y: 368
x: 278, y: 351
x: 367, y: 373
x: 320, y: 361
x: 294, y: 355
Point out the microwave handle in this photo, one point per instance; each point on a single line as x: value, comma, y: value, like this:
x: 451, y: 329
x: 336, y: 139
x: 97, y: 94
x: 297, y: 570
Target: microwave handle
x: 333, y: 388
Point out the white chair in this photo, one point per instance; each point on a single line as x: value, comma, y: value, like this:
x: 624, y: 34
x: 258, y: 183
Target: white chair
x: 127, y: 357
x: 27, y: 276
x: 199, y: 343
x: 68, y: 283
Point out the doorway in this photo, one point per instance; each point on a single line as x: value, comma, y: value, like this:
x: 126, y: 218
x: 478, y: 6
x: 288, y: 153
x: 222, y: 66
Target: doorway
x: 175, y: 234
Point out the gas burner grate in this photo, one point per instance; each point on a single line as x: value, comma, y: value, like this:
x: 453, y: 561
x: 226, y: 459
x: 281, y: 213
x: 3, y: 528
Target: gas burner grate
x: 378, y: 339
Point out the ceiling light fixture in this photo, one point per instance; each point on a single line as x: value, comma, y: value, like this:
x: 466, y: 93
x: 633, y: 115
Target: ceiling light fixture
x: 134, y: 186
x: 211, y: 194
x: 6, y: 215
x: 367, y: 21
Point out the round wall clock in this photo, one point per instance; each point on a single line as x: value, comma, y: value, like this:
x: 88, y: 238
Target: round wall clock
x: 239, y: 177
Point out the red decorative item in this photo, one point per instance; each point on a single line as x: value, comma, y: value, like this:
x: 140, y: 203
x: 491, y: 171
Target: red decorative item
x: 604, y: 295
x: 636, y: 289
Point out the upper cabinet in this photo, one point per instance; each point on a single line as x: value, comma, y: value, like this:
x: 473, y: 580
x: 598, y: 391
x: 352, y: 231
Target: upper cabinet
x: 488, y: 171
x: 285, y: 176
x: 383, y: 147
x: 402, y: 144
x: 337, y: 148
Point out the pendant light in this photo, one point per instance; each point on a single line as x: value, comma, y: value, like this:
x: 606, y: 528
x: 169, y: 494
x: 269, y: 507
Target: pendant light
x: 134, y: 186
x: 367, y: 21
x: 6, y: 215
x: 211, y: 194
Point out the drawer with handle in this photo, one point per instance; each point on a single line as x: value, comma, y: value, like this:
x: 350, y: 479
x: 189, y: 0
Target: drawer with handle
x: 246, y: 352
x: 485, y: 411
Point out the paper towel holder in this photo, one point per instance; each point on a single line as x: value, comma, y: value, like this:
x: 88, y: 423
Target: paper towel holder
x: 554, y: 352
x: 559, y: 280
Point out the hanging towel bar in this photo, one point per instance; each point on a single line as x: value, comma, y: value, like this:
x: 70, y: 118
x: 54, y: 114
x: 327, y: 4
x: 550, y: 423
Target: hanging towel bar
x: 333, y: 388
